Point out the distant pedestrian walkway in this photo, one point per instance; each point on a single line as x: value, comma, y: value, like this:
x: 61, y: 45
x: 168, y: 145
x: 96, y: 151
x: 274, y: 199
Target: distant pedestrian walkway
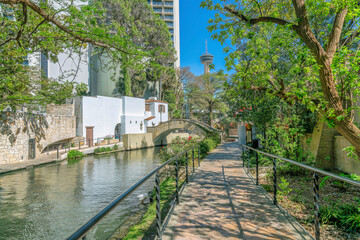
x: 222, y: 202
x: 47, y: 158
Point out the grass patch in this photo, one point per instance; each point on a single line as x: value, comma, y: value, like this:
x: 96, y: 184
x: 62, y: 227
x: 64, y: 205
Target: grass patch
x: 147, y: 225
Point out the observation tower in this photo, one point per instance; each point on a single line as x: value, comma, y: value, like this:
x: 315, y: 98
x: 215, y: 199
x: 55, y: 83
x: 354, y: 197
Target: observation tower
x: 206, y: 59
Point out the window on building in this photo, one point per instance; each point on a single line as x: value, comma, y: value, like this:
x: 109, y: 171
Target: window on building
x: 169, y: 3
x: 161, y: 108
x: 157, y: 9
x: 147, y: 107
x: 169, y: 10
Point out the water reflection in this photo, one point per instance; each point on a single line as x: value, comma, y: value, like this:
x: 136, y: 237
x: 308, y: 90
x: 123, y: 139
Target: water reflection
x: 51, y: 202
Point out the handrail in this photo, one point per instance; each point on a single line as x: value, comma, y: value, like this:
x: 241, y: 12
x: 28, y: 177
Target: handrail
x: 314, y: 169
x: 82, y: 231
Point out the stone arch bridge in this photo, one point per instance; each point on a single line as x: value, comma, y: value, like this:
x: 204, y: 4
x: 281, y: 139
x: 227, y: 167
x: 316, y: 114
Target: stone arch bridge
x: 165, y: 128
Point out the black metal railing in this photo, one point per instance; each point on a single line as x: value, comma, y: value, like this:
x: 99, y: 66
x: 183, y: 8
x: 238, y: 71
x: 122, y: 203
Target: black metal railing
x: 83, y: 230
x: 316, y: 172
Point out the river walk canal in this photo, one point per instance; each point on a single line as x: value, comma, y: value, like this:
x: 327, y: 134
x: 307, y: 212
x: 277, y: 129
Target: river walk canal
x: 53, y: 201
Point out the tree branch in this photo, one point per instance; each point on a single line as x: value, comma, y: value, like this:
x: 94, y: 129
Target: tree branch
x: 24, y: 7
x: 289, y: 99
x: 253, y: 21
x: 334, y: 37
x: 350, y: 38
x: 58, y: 24
x: 306, y: 34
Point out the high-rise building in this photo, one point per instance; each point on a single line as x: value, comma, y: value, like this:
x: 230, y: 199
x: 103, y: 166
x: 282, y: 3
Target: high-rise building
x: 169, y: 11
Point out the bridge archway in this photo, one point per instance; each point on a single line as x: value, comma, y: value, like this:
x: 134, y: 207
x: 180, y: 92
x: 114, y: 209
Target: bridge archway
x: 164, y: 129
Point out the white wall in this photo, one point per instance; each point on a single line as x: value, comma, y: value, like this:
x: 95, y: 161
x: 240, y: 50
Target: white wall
x: 133, y: 115
x: 159, y: 117
x: 104, y: 113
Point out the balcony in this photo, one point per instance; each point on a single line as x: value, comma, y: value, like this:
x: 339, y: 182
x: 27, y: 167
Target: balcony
x: 158, y: 10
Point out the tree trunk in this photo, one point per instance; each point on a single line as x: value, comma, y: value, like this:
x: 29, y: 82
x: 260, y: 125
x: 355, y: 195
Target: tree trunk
x: 345, y: 127
x: 210, y: 116
x: 127, y: 80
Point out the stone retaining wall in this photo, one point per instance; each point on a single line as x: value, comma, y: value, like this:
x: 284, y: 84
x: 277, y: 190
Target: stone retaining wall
x: 45, y: 129
x: 137, y: 141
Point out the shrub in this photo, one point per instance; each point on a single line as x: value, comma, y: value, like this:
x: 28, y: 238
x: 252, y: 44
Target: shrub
x: 74, y: 154
x: 177, y: 146
x: 115, y: 147
x: 180, y: 144
x: 284, y: 188
x: 342, y: 215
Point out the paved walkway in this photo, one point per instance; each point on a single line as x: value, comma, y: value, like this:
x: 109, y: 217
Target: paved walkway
x: 219, y: 204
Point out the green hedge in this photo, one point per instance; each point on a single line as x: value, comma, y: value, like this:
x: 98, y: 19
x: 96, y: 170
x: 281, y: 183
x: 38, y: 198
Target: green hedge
x: 74, y: 154
x: 106, y: 149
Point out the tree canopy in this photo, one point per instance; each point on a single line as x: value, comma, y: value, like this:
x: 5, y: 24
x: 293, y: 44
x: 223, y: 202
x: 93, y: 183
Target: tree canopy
x: 115, y: 29
x: 204, y: 95
x: 298, y: 51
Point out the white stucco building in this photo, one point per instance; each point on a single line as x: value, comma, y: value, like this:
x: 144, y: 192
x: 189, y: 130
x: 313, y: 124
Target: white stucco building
x: 98, y: 117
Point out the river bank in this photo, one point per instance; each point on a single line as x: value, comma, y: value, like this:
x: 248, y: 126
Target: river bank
x: 47, y: 158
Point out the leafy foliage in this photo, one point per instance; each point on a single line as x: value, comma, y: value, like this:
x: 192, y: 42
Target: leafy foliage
x: 299, y: 51
x: 204, y: 95
x: 342, y: 215
x: 74, y: 154
x: 123, y: 31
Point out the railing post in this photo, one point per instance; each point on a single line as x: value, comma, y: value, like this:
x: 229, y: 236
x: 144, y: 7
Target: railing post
x: 316, y: 206
x: 193, y: 160
x: 243, y: 156
x: 187, y: 168
x: 57, y: 152
x: 275, y: 181
x: 199, y: 155
x: 248, y: 161
x: 158, y: 206
x: 177, y: 180
x: 257, y: 168
x: 79, y: 144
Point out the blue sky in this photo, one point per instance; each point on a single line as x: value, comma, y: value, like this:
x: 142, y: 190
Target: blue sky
x: 193, y: 33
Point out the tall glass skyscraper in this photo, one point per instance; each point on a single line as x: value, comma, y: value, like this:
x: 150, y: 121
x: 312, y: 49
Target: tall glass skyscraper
x: 169, y: 11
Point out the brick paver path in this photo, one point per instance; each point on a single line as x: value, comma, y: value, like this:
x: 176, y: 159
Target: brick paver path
x: 219, y: 204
